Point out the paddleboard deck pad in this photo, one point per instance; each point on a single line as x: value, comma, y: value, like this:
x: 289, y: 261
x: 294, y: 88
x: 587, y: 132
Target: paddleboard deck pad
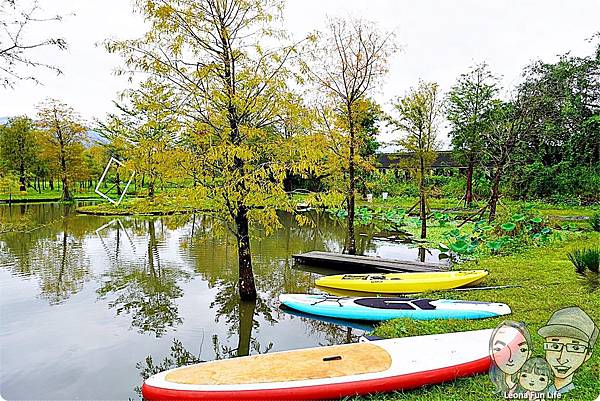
x: 403, y: 283
x: 328, y: 372
x: 375, y: 309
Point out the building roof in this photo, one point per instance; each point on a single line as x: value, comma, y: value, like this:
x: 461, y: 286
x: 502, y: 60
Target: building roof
x: 444, y: 159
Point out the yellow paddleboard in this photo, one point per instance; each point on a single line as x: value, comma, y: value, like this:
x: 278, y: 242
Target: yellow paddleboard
x: 402, y: 283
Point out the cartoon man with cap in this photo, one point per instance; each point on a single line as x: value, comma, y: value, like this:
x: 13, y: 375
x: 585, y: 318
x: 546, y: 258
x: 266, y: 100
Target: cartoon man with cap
x: 569, y: 338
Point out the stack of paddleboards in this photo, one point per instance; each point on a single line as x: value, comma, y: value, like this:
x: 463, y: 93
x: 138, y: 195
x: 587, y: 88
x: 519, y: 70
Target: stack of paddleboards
x: 351, y: 369
x: 377, y: 308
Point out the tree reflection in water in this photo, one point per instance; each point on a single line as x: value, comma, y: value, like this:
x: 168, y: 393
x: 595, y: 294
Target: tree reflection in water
x: 60, y: 280
x: 241, y: 319
x: 146, y: 292
x: 178, y: 356
x: 53, y: 253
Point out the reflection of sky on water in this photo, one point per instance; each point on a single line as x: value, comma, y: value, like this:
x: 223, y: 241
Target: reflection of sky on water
x: 79, y: 310
x: 394, y: 251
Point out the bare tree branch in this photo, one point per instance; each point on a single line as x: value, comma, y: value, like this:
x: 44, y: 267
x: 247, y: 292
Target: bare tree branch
x: 16, y: 61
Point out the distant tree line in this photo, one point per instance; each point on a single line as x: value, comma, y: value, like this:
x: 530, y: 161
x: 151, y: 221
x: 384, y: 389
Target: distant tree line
x: 49, y: 152
x: 543, y: 142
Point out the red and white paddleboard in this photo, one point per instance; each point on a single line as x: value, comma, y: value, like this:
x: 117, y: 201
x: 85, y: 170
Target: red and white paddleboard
x: 329, y: 372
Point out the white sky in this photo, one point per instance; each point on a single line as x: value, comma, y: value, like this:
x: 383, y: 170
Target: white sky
x: 440, y: 40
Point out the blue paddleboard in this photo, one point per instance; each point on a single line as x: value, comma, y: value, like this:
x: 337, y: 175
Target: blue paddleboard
x: 376, y: 309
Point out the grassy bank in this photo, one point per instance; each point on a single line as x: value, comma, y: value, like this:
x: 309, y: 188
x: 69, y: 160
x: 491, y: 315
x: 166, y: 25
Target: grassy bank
x: 45, y: 196
x: 455, y: 206
x: 167, y: 202
x: 161, y: 205
x: 547, y: 281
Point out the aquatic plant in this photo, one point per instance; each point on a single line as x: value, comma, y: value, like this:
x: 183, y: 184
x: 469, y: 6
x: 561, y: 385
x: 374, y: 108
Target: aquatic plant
x: 512, y: 234
x: 386, y: 220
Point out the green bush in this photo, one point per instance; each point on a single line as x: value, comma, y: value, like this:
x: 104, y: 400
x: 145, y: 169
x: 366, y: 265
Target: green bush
x: 438, y: 180
x: 454, y: 187
x: 595, y: 222
x: 9, y: 184
x: 388, y: 182
x: 585, y: 259
x: 561, y: 183
x: 442, y: 186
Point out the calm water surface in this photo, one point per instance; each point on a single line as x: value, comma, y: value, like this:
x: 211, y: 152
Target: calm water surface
x: 90, y: 304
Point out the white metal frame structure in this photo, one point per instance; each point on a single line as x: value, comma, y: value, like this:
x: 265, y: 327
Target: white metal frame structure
x: 97, y: 190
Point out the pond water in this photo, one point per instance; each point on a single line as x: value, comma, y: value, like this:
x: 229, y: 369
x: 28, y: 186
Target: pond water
x: 90, y: 304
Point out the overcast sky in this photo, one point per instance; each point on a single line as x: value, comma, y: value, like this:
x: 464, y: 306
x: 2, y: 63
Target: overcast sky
x: 440, y: 40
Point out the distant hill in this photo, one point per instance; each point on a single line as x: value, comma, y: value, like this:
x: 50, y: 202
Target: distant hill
x: 95, y: 137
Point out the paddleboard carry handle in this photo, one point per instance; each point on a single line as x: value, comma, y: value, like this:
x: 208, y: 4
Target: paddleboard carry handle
x: 332, y: 358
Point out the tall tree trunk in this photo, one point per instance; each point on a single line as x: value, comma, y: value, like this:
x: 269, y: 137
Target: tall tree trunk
x: 246, y: 318
x: 351, y: 248
x: 63, y: 166
x: 23, y: 185
x: 246, y: 277
x: 247, y: 287
x: 66, y: 196
x: 495, y: 194
x: 118, y: 183
x: 469, y: 192
x: 287, y: 182
x: 151, y: 190
x: 65, y: 183
x: 422, y: 200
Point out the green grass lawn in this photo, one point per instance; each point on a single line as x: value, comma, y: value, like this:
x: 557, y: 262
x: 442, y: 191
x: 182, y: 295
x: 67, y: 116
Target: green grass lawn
x: 455, y: 205
x: 47, y: 195
x: 547, y: 281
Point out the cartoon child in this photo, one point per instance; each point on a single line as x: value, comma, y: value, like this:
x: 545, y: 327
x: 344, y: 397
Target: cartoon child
x: 509, y: 349
x: 534, y: 378
x: 569, y: 338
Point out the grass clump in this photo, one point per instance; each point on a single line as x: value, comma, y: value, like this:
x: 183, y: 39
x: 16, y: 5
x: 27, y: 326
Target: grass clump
x: 585, y: 259
x: 587, y: 264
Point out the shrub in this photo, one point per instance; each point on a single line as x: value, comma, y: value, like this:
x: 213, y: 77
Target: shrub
x: 562, y: 183
x: 595, y: 222
x: 454, y: 188
x: 388, y: 182
x: 585, y: 259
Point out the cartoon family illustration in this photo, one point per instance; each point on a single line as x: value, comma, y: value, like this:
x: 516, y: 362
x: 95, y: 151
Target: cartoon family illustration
x: 569, y: 339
